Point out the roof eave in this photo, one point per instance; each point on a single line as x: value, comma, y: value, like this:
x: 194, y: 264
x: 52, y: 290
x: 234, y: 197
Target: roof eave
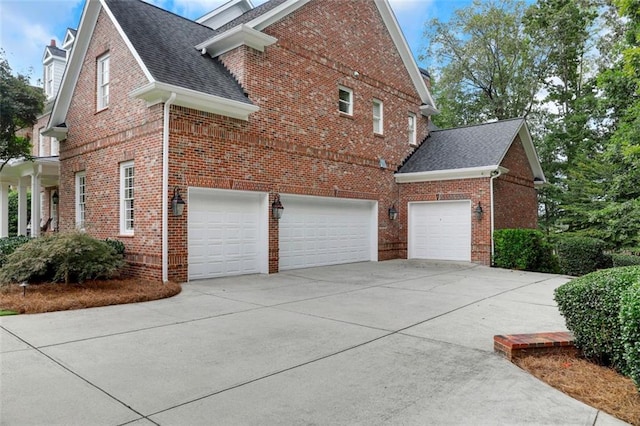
x: 235, y: 37
x: 428, y: 110
x: 58, y: 132
x: 156, y: 92
x: 451, y: 174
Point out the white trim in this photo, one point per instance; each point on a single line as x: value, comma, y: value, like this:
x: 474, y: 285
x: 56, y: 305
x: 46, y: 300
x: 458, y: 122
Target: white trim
x: 57, y: 132
x: 277, y: 13
x: 467, y: 173
x: 123, y: 207
x: 530, y: 151
x: 165, y: 188
x: 379, y: 120
x: 217, y: 11
x: 103, y: 80
x: 156, y: 92
x: 80, y: 220
x: 242, y: 35
x: 69, y: 39
x: 412, y: 130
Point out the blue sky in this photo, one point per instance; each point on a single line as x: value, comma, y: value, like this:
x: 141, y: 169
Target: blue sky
x: 27, y: 26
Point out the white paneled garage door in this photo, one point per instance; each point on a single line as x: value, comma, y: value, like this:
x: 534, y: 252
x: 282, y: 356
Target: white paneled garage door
x: 228, y: 233
x: 318, y: 231
x: 440, y: 230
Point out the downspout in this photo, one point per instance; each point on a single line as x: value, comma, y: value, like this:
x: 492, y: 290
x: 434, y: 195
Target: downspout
x: 165, y: 187
x: 494, y: 174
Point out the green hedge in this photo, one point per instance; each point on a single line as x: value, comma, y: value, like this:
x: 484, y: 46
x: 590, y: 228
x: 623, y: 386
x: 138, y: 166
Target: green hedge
x: 591, y: 308
x: 624, y: 260
x: 630, y: 323
x: 72, y: 257
x: 524, y: 249
x: 9, y: 244
x: 582, y: 255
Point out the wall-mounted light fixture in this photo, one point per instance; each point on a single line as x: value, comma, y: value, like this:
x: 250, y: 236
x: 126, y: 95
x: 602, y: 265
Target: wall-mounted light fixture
x: 393, y: 213
x: 177, y: 203
x: 277, y: 208
x: 55, y: 198
x: 478, y: 211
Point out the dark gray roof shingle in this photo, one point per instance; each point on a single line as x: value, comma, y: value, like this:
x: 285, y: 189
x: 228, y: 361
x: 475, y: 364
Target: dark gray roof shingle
x: 464, y: 147
x: 55, y: 51
x: 250, y: 15
x: 166, y: 44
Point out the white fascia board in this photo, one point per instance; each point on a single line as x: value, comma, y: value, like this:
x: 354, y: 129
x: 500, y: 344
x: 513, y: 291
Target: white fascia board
x: 235, y: 37
x: 47, y: 56
x: 428, y: 110
x: 277, y: 13
x: 68, y: 39
x: 247, y: 6
x: 74, y: 63
x: 57, y: 132
x: 436, y: 175
x: 156, y: 92
x: 402, y: 46
x: 532, y: 156
x: 127, y: 42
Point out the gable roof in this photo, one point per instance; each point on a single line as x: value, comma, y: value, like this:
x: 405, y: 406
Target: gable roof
x: 53, y: 51
x: 470, y: 151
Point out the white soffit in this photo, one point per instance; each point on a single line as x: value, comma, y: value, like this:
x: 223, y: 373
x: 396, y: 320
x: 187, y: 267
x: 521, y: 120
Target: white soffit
x: 235, y: 37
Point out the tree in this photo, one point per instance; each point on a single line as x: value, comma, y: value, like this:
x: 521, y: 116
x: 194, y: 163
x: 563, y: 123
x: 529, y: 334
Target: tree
x: 486, y: 65
x: 20, y: 105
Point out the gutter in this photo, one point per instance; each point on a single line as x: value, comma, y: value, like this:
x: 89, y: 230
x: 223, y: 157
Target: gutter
x: 165, y: 187
x: 494, y: 174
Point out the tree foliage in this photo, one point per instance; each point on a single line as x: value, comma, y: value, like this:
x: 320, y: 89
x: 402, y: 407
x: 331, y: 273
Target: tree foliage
x: 20, y: 104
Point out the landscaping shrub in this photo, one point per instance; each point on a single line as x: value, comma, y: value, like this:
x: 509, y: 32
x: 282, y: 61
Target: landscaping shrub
x: 591, y: 308
x: 625, y: 260
x: 630, y: 324
x: 9, y: 244
x: 117, y: 245
x: 524, y: 249
x: 582, y: 255
x: 72, y: 257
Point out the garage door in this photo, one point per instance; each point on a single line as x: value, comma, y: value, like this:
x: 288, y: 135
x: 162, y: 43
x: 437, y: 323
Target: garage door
x: 228, y: 233
x: 318, y: 231
x: 440, y: 230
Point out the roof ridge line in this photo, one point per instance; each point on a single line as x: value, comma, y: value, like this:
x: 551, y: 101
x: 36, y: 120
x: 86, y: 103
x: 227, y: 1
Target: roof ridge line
x: 479, y: 124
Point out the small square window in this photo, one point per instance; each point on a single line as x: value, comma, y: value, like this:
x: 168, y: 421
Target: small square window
x: 345, y: 101
x: 411, y: 129
x: 377, y: 117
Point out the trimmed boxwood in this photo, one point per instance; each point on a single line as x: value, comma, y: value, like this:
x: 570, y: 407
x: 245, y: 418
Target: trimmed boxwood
x: 625, y: 260
x: 591, y: 308
x: 582, y: 255
x: 630, y: 329
x: 524, y: 249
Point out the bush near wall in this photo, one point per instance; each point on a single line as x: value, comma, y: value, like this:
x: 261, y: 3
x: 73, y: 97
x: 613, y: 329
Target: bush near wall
x: 624, y: 260
x: 9, y: 244
x: 591, y: 306
x: 68, y: 257
x: 524, y: 249
x: 630, y: 323
x: 581, y: 255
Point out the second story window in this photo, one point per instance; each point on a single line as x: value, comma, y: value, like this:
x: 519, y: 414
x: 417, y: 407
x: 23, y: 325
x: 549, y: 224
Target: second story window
x: 55, y: 147
x: 345, y: 100
x: 40, y: 143
x: 48, y: 80
x: 411, y: 130
x: 102, y: 82
x: 377, y: 117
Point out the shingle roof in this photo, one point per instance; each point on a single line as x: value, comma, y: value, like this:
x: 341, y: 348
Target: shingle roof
x: 166, y: 44
x: 55, y: 51
x: 250, y: 15
x: 464, y: 147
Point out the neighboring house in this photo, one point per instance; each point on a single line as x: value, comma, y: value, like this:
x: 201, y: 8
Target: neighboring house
x: 316, y: 104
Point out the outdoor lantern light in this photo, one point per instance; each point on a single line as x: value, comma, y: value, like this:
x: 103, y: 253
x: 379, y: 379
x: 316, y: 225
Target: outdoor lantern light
x: 277, y: 208
x: 55, y: 198
x: 393, y: 213
x: 478, y: 211
x: 177, y: 203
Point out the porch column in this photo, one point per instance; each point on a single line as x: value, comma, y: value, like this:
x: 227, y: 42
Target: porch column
x: 4, y: 209
x: 35, y: 202
x: 22, y: 206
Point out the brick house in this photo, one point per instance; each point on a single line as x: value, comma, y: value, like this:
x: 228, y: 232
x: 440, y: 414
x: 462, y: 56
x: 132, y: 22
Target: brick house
x: 314, y: 105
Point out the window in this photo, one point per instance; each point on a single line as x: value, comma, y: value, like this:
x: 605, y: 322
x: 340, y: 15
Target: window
x: 103, y: 82
x: 126, y: 197
x: 81, y: 199
x: 48, y: 80
x: 345, y: 102
x: 411, y: 130
x: 377, y: 117
x: 55, y: 147
x: 40, y: 143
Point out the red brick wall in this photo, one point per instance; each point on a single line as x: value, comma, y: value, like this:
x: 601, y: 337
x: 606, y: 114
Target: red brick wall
x: 516, y: 204
x: 476, y: 190
x: 98, y: 142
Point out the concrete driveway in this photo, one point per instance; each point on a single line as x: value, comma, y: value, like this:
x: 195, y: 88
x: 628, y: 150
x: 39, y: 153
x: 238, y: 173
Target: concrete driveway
x: 396, y: 342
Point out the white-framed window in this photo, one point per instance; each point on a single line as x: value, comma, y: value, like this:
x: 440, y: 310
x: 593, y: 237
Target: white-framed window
x: 48, y: 79
x: 40, y: 142
x: 411, y: 129
x: 81, y: 199
x: 377, y: 117
x: 345, y: 100
x: 102, y: 81
x: 55, y: 147
x: 127, y: 176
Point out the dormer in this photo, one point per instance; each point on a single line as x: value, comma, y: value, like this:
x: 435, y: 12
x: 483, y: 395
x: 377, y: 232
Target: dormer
x: 53, y: 63
x: 69, y: 39
x: 225, y: 13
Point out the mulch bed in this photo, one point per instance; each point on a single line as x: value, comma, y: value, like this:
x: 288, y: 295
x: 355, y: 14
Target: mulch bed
x: 61, y: 297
